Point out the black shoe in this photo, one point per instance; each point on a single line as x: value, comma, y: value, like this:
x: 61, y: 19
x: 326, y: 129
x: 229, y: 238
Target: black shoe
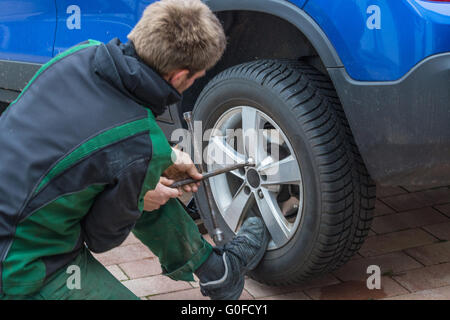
x: 240, y: 255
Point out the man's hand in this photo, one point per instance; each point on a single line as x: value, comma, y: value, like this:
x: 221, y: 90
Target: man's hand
x: 182, y: 168
x: 157, y: 197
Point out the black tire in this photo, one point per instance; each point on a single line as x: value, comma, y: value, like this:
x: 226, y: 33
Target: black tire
x: 339, y: 194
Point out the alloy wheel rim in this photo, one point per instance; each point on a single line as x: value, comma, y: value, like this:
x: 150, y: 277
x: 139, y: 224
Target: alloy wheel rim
x: 272, y: 189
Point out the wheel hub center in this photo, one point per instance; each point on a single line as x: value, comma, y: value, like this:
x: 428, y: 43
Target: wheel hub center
x: 253, y: 178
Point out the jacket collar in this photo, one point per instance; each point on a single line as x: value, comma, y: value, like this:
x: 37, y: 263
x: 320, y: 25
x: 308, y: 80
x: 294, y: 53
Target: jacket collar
x: 118, y: 64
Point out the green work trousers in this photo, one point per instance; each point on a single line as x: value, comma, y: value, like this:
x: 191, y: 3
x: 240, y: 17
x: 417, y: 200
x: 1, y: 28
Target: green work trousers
x: 169, y: 232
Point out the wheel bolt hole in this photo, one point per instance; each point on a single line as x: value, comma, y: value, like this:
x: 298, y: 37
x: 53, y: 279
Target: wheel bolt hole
x: 263, y: 177
x: 247, y: 190
x: 242, y: 171
x: 260, y: 194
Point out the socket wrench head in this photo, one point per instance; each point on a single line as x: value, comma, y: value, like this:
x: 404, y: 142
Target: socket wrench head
x: 250, y: 162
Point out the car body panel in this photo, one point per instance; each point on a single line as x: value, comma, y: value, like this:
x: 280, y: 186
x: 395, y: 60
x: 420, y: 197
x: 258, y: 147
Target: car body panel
x: 401, y: 127
x: 27, y: 30
x: 381, y: 40
x: 90, y: 19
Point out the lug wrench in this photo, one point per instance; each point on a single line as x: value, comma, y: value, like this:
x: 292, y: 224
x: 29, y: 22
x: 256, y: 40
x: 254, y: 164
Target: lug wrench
x: 217, y: 232
x: 208, y: 175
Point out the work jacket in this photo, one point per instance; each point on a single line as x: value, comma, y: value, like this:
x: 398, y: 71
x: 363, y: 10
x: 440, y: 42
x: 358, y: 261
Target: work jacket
x: 79, y: 148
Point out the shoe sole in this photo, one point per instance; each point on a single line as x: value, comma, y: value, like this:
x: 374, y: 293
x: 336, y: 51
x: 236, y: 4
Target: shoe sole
x: 236, y: 294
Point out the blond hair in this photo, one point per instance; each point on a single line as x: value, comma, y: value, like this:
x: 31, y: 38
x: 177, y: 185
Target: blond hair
x: 178, y: 34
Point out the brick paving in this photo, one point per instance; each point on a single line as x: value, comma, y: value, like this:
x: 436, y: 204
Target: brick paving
x: 409, y: 241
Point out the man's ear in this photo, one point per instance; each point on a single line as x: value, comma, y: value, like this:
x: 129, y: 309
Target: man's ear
x: 177, y: 77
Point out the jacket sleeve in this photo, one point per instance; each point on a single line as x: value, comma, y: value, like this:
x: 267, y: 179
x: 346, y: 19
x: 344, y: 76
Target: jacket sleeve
x: 115, y: 210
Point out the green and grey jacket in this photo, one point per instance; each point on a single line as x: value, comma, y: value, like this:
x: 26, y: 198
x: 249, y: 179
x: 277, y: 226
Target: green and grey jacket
x: 75, y: 151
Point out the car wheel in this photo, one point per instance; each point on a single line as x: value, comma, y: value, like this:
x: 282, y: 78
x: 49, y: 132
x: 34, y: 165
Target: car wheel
x: 309, y: 184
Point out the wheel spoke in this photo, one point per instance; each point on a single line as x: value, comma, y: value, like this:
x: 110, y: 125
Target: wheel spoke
x: 273, y: 217
x: 237, y: 208
x: 221, y: 153
x: 252, y: 136
x: 285, y: 171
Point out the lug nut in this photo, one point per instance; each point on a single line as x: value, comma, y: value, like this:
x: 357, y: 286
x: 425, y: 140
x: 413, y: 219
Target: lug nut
x: 260, y: 194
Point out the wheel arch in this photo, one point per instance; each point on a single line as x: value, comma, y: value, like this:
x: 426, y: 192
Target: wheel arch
x: 266, y: 29
x: 290, y: 14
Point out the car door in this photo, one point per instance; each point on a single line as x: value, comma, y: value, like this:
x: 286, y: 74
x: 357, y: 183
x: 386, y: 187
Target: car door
x: 95, y: 19
x: 27, y: 30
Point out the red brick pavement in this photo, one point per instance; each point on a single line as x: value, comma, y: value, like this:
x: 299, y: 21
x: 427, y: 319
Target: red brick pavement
x: 409, y: 241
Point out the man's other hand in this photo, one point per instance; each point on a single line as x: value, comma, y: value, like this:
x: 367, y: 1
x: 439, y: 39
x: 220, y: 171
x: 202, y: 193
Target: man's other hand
x: 157, y: 197
x: 183, y: 168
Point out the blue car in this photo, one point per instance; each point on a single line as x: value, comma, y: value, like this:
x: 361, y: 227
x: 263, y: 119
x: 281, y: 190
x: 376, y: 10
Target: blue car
x: 350, y: 94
